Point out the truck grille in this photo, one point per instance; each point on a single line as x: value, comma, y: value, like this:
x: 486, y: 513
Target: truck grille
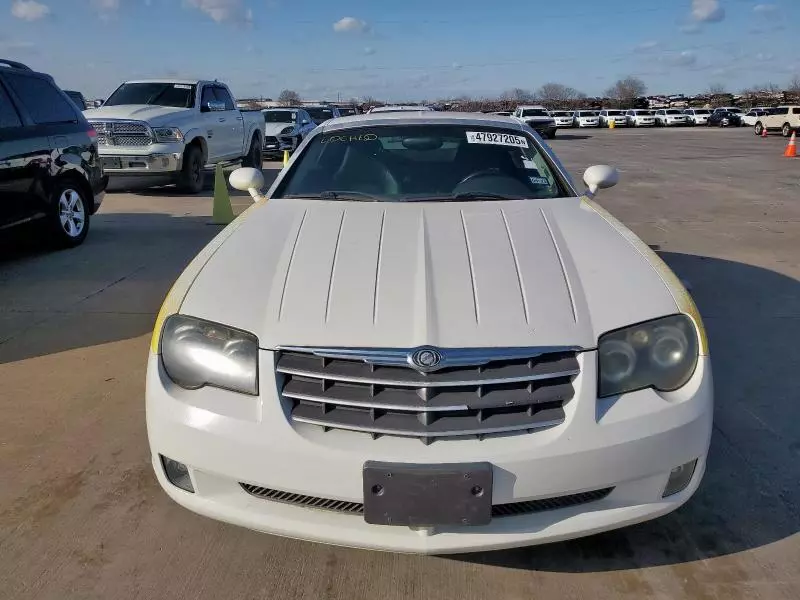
x: 512, y: 509
x: 513, y: 394
x: 122, y: 133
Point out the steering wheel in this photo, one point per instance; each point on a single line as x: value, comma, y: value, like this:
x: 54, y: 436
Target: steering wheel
x: 481, y: 173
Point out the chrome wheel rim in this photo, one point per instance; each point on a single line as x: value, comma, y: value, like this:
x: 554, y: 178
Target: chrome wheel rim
x: 71, y: 212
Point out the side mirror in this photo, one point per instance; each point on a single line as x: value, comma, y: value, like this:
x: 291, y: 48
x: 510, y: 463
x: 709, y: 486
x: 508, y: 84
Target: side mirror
x: 600, y: 177
x: 305, y: 121
x: 249, y: 180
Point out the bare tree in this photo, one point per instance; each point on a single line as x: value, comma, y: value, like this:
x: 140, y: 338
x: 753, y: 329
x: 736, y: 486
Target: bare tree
x: 556, y: 95
x: 794, y: 85
x: 625, y: 91
x: 517, y: 95
x: 717, y: 88
x: 289, y: 97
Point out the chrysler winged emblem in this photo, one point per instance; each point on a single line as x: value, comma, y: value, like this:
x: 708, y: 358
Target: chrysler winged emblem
x: 425, y: 359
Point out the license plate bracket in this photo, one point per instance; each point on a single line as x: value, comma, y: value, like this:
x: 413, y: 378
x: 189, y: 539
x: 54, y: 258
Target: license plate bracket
x: 112, y: 162
x: 427, y: 494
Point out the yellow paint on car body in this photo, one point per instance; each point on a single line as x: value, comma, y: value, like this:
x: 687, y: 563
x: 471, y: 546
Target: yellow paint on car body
x: 680, y: 294
x: 179, y: 290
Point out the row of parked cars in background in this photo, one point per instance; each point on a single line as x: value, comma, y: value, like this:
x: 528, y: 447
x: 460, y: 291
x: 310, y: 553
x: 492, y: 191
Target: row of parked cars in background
x: 783, y: 119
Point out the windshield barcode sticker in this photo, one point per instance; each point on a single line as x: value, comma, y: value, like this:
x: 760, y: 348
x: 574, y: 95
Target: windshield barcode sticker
x: 498, y: 139
x: 181, y: 86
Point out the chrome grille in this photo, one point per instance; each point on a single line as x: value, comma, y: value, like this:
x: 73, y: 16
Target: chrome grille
x: 511, y: 395
x: 513, y: 509
x: 122, y: 133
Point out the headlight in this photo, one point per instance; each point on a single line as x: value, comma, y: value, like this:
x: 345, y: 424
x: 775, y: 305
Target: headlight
x: 661, y: 354
x: 287, y: 130
x: 196, y: 353
x: 167, y: 134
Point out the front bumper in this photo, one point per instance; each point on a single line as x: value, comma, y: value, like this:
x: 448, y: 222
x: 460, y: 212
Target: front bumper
x: 631, y: 444
x: 149, y: 160
x: 277, y: 144
x: 588, y: 123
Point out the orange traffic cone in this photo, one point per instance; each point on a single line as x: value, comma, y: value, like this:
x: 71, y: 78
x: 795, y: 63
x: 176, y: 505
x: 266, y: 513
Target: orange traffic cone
x: 763, y: 132
x: 791, y: 149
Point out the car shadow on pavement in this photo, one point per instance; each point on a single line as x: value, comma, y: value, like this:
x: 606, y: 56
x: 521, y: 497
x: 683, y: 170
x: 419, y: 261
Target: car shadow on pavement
x: 750, y: 495
x: 570, y: 136
x: 163, y: 186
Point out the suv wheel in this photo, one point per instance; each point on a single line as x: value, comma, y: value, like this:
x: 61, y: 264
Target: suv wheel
x: 786, y: 130
x: 70, y: 219
x: 758, y: 128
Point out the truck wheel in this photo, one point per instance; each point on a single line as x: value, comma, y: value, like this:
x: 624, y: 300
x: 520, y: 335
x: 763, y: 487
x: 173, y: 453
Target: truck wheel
x: 191, y: 176
x: 253, y: 156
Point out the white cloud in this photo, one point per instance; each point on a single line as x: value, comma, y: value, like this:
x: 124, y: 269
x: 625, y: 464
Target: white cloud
x: 29, y: 10
x: 350, y: 25
x: 765, y: 8
x: 222, y: 10
x: 707, y: 11
x: 687, y: 58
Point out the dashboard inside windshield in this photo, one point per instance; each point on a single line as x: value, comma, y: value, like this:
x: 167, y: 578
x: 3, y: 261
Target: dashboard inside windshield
x: 412, y: 163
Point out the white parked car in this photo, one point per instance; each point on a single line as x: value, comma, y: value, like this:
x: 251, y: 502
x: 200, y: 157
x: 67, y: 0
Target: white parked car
x: 670, y: 117
x: 783, y: 119
x: 537, y: 118
x: 639, y: 117
x: 607, y: 115
x: 285, y: 129
x: 585, y: 118
x: 563, y: 118
x: 697, y: 116
x: 175, y: 127
x: 425, y: 338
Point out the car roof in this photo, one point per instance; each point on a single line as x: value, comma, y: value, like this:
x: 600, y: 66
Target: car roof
x: 524, y: 106
x: 178, y: 81
x: 279, y: 108
x: 422, y: 117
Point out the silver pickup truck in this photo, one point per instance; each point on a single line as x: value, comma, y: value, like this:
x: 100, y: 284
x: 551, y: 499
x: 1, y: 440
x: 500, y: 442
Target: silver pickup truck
x: 175, y: 127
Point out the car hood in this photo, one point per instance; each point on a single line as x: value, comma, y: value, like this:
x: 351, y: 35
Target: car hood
x: 154, y: 115
x: 274, y: 129
x: 480, y: 274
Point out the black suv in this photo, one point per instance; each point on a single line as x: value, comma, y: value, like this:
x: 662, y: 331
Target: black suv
x: 50, y: 170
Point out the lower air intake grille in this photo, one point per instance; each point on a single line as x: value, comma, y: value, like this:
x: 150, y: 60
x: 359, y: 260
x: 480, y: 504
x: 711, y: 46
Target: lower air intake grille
x: 514, y: 509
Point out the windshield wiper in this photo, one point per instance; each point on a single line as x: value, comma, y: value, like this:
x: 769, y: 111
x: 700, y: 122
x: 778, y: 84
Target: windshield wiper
x: 331, y: 195
x: 465, y: 196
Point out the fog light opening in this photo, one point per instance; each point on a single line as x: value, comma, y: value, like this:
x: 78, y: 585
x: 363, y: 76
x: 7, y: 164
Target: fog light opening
x: 177, y: 473
x: 679, y: 478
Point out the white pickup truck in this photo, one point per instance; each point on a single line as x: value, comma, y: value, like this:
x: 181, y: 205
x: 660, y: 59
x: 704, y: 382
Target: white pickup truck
x: 175, y: 127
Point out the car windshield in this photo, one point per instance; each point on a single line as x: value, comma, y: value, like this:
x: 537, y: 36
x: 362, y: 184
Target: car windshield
x: 534, y: 112
x: 408, y: 163
x: 280, y: 116
x: 614, y: 113
x: 560, y: 113
x: 320, y: 113
x: 178, y: 95
x: 702, y: 111
x: 674, y: 111
x: 644, y: 113
x: 735, y: 110
x: 346, y: 112
x: 587, y: 113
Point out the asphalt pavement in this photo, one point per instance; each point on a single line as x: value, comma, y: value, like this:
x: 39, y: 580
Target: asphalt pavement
x: 81, y: 514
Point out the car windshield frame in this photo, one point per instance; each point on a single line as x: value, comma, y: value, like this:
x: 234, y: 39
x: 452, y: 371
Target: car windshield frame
x: 152, y: 93
x: 534, y: 112
x: 396, y: 138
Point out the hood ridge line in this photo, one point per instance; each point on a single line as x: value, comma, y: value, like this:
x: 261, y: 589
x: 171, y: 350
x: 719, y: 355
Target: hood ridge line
x: 563, y: 266
x: 378, y: 270
x: 522, y: 293
x: 333, y: 266
x: 471, y: 268
x: 291, y: 260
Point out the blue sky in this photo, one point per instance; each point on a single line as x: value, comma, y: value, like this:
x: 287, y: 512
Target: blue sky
x: 406, y: 49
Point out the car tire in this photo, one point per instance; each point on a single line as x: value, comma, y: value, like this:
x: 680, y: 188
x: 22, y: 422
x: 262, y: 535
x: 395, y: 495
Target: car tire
x: 786, y: 130
x: 70, y: 215
x: 759, y: 127
x: 253, y: 157
x: 192, y: 176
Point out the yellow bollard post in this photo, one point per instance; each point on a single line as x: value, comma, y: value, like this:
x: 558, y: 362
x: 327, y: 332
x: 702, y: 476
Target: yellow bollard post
x: 611, y: 123
x: 285, y: 157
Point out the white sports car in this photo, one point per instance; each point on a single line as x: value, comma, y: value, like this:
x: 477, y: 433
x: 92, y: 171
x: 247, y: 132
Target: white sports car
x: 424, y: 338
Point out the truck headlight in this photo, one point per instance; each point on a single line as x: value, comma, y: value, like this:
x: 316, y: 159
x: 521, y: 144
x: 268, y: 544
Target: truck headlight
x: 287, y: 130
x: 196, y: 353
x: 167, y: 134
x: 661, y: 354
